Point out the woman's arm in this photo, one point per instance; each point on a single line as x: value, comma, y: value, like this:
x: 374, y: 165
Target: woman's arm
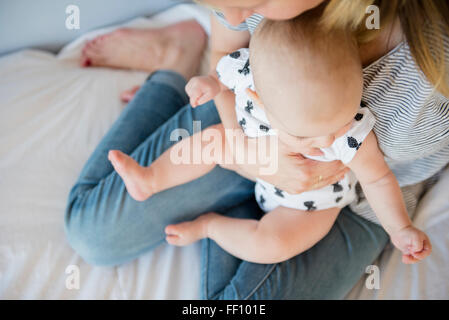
x: 280, y: 234
x: 224, y: 41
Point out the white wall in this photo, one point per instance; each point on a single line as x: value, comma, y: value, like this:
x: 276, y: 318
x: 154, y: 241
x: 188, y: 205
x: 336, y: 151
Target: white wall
x: 41, y: 23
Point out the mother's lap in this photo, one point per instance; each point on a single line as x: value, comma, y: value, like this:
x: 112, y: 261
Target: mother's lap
x: 107, y: 227
x: 103, y: 223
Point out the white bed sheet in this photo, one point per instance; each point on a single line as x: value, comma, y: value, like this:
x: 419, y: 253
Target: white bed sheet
x: 428, y: 279
x: 52, y: 115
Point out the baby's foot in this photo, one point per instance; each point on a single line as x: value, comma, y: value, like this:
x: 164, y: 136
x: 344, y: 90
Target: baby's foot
x: 137, y: 179
x: 177, y: 47
x: 184, y: 233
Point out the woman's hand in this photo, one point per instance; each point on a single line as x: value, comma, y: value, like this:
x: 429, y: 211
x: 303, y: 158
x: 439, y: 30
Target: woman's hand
x: 295, y: 173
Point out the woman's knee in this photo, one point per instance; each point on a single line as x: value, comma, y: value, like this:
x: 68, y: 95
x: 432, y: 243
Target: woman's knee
x: 91, y: 240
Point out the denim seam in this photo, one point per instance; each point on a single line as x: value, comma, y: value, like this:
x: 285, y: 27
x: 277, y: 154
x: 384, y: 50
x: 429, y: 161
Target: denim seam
x: 206, y: 269
x: 261, y: 282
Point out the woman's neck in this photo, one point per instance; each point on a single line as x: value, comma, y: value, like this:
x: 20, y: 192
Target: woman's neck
x: 387, y: 40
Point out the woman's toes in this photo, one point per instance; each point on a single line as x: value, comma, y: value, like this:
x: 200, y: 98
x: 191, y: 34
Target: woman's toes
x: 91, y: 53
x: 128, y: 95
x: 94, y: 57
x: 85, y: 61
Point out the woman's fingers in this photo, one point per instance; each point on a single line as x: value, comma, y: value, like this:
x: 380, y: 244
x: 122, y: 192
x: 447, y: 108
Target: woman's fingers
x: 321, y: 174
x: 128, y: 95
x: 255, y: 97
x: 331, y: 169
x: 330, y: 180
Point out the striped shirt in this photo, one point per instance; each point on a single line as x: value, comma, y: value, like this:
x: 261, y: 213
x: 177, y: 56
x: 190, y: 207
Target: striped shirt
x: 412, y: 120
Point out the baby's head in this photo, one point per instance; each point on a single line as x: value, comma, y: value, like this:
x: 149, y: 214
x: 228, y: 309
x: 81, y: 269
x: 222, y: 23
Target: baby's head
x: 308, y: 79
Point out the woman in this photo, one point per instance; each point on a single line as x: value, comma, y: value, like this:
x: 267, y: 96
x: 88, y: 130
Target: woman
x: 105, y: 226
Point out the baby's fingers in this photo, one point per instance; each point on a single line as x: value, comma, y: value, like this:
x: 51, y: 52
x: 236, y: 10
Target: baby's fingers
x: 203, y: 98
x: 195, y: 98
x: 426, y: 250
x: 409, y: 259
x: 416, y: 244
x: 193, y: 103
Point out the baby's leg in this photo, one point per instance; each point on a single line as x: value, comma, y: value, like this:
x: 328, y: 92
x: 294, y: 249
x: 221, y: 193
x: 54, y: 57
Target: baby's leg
x: 280, y: 234
x: 165, y: 172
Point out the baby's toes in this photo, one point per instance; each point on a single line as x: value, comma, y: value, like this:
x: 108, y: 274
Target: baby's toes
x: 174, y: 240
x: 182, y: 233
x: 172, y: 230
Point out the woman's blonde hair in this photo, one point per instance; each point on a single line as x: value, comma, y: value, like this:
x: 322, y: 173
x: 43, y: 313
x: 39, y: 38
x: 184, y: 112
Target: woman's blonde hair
x: 426, y: 44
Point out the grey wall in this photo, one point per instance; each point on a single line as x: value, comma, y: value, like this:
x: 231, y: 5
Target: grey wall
x: 41, y: 23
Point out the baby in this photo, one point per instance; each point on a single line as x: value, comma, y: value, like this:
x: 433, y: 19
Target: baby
x: 302, y: 82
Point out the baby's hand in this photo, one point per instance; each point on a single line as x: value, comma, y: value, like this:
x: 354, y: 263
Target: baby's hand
x: 414, y: 244
x: 202, y: 89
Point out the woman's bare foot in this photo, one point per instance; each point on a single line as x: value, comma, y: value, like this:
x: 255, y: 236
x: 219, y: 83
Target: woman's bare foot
x: 137, y: 179
x: 177, y: 47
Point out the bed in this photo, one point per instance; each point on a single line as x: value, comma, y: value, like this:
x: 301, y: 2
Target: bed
x: 52, y: 115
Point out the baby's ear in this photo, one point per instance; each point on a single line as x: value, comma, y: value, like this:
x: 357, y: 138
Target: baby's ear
x: 255, y: 97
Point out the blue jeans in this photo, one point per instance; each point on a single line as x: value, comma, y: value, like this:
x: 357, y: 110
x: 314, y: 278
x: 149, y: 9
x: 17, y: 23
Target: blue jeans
x: 105, y: 226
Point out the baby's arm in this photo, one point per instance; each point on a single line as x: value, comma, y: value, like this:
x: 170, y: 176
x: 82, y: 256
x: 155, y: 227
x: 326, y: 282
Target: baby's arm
x: 385, y: 197
x: 276, y: 237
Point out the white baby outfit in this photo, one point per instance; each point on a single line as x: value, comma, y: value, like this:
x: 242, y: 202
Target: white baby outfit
x: 234, y: 72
